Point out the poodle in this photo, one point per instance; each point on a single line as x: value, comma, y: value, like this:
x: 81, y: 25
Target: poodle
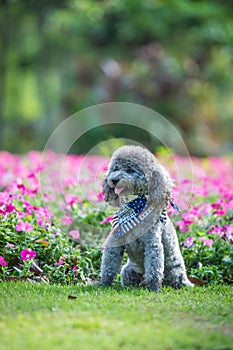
x: 141, y: 188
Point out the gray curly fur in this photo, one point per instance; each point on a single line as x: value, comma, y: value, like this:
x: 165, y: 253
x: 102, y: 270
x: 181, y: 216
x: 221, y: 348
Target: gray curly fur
x: 153, y: 250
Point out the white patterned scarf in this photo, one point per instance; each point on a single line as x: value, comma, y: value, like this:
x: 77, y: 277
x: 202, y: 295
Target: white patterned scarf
x: 133, y: 213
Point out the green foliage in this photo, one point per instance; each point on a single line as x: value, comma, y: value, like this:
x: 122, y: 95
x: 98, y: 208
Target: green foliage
x: 211, y: 264
x: 209, y: 254
x: 172, y: 56
x: 64, y: 228
x: 51, y: 246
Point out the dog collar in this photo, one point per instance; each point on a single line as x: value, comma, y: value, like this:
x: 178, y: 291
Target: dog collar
x: 133, y: 213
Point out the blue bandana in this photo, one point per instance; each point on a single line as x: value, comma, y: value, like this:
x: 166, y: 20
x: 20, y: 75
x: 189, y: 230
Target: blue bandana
x: 133, y: 213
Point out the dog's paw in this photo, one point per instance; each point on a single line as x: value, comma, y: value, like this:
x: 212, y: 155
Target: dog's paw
x: 179, y: 281
x: 91, y: 282
x: 152, y: 286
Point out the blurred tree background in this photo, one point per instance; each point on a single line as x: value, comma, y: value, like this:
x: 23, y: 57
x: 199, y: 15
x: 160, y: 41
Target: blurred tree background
x: 58, y: 57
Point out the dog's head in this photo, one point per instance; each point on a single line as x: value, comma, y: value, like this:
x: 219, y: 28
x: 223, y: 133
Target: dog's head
x: 125, y: 177
x: 134, y: 170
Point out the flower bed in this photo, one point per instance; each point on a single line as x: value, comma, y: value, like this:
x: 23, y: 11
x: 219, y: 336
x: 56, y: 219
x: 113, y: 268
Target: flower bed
x: 53, y: 218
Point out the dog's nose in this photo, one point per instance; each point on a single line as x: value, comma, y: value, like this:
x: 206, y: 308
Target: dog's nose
x: 115, y: 180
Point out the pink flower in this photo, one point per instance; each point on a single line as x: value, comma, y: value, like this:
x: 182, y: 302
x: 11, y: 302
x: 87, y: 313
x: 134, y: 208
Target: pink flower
x: 75, y: 269
x: 201, y: 191
x: 34, y: 182
x: 187, y: 222
x: 4, y: 197
x: 100, y: 196
x: 206, y: 209
x: 182, y: 224
x: 40, y: 222
x: 43, y: 215
x: 2, y: 261
x: 75, y: 234
x: 24, y: 226
x: 67, y: 220
x: 27, y: 254
x: 61, y: 260
x: 217, y: 230
x: 70, y: 199
x: 188, y: 242
x: 105, y: 167
x: 216, y: 206
x: 10, y: 245
x: 106, y: 220
x: 19, y: 226
x: 22, y: 187
x: 10, y: 208
x: 228, y: 233
x: 219, y: 212
x: 229, y: 229
x: 206, y: 242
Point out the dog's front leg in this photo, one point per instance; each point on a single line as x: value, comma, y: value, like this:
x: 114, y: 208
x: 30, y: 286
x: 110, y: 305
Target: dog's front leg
x: 111, y: 264
x: 174, y: 271
x: 154, y: 259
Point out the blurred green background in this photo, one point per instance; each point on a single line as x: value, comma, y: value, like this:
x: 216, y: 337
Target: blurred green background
x: 58, y: 57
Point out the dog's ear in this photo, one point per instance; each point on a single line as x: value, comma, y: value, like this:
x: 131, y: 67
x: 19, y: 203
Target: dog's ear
x: 109, y: 195
x: 160, y: 187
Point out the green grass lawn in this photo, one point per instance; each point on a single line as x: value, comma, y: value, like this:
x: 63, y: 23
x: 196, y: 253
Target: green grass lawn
x: 42, y: 317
